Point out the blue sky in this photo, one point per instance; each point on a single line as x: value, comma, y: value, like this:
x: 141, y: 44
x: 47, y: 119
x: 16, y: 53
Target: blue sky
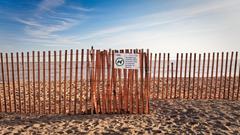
x: 160, y: 25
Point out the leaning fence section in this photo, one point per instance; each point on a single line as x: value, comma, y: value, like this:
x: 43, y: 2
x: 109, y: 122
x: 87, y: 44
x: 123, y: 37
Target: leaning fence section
x: 87, y: 82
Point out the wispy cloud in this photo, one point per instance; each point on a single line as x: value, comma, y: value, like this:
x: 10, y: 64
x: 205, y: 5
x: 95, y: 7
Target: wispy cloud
x: 45, y: 23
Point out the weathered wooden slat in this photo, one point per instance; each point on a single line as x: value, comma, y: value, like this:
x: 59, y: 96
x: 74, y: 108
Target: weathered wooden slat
x: 39, y: 84
x: 167, y: 85
x: 221, y: 77
x: 70, y: 83
x: 216, y: 76
x: 194, y: 70
x: 159, y: 71
x: 225, y: 77
x: 163, y: 78
x: 203, y: 76
x: 3, y: 83
x: 189, y: 75
x: 65, y: 85
x: 185, y: 75
x: 33, y: 88
x: 19, y: 86
x: 234, y: 75
x: 180, y: 82
x: 76, y: 83
x: 198, y: 78
x: 55, y: 82
x: 176, y: 77
x: 229, y: 76
x: 211, y: 83
x: 13, y: 82
x: 29, y: 89
x: 208, y: 64
x: 60, y: 83
x: 44, y: 83
x: 49, y: 83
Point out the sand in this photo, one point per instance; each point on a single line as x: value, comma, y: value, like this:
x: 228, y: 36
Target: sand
x: 167, y: 117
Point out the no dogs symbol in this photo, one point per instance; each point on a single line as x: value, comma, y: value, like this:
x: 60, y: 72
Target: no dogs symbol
x: 119, y: 61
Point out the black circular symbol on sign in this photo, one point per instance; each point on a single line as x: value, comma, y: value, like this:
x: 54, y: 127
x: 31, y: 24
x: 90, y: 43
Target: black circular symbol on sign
x: 119, y: 61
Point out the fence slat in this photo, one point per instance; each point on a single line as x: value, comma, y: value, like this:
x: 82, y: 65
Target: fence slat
x: 8, y: 81
x: 194, y: 70
x: 13, y: 82
x: 211, y: 83
x: 176, y: 77
x: 65, y: 80
x: 238, y: 82
x: 70, y: 83
x: 208, y: 63
x: 225, y: 77
x: 198, y: 78
x: 76, y: 83
x: 216, y: 76
x: 203, y: 74
x: 60, y: 82
x: 55, y: 82
x: 87, y: 85
x: 44, y: 82
x: 81, y: 83
x: 171, y: 85
x: 49, y: 83
x: 220, y: 85
x: 19, y: 86
x: 163, y: 80
x: 3, y: 83
x: 103, y: 83
x: 185, y: 75
x: 189, y: 75
x: 229, y: 76
x: 39, y: 84
x: 180, y: 82
x: 167, y: 75
x: 29, y: 90
x: 159, y: 71
x: 34, y: 91
x: 154, y: 76
x: 234, y: 76
x: 109, y: 88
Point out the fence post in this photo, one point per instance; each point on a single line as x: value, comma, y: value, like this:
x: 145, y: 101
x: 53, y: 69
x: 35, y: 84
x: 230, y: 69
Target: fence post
x: 87, y: 85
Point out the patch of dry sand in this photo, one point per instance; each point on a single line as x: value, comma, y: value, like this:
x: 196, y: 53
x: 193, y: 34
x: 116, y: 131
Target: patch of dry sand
x: 167, y: 117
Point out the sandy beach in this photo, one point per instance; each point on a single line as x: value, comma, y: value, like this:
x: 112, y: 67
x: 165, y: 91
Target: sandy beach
x: 166, y: 117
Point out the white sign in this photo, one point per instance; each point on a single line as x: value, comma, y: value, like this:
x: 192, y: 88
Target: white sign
x: 126, y: 61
